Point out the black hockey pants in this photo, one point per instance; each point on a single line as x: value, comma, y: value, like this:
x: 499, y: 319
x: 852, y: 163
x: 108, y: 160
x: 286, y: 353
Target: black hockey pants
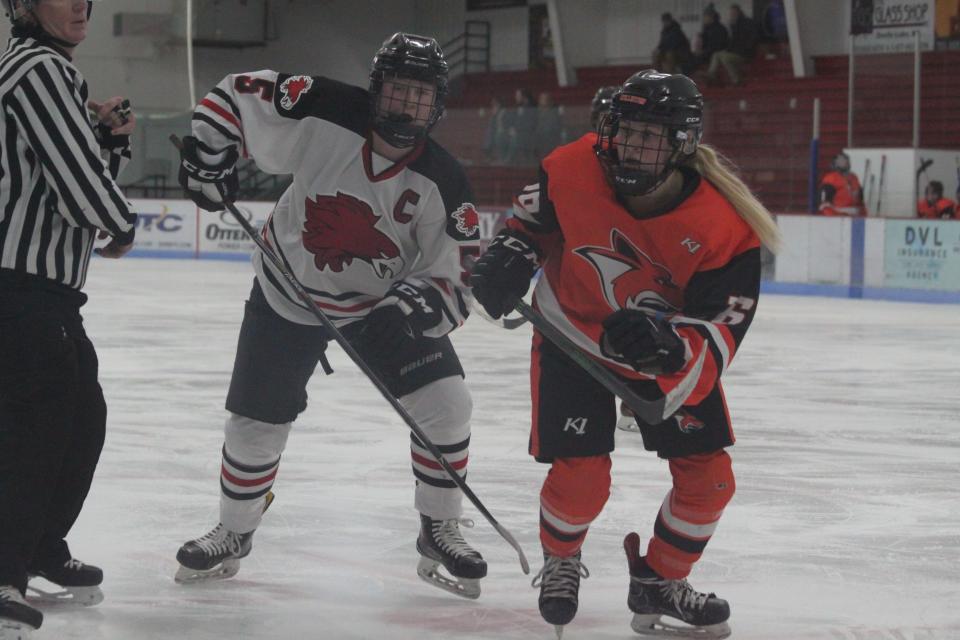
x: 52, y: 425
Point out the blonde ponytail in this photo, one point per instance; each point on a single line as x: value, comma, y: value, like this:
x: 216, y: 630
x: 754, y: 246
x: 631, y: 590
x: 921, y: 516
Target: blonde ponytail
x: 713, y: 166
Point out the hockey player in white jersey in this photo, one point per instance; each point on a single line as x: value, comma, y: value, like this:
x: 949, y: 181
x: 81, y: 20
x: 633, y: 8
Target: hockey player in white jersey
x: 376, y: 225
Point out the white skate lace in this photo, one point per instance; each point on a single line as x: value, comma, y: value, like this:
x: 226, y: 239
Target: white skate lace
x: 560, y: 577
x: 681, y: 594
x: 73, y: 564
x: 219, y: 541
x: 446, y: 533
x: 11, y: 594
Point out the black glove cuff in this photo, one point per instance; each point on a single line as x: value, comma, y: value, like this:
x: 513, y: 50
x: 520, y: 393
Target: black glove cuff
x: 109, y: 141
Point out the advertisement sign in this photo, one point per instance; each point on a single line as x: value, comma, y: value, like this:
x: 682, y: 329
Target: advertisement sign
x: 221, y: 236
x: 167, y: 227
x: 922, y: 254
x: 888, y: 26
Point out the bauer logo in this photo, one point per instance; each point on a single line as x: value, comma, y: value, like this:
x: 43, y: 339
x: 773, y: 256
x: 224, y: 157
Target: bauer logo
x: 292, y: 88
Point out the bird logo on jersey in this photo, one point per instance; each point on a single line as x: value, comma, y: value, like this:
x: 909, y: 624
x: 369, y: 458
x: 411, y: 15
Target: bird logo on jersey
x: 340, y: 228
x: 630, y: 279
x: 686, y: 423
x: 292, y: 88
x: 464, y: 222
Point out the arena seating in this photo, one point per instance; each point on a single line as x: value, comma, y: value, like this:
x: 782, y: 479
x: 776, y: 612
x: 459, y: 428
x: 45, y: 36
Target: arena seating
x: 764, y: 126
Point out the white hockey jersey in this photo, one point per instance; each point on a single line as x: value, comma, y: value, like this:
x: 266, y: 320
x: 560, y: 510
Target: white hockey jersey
x: 352, y: 224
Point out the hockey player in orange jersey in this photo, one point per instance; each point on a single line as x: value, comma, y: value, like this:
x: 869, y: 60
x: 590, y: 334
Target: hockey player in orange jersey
x: 840, y: 191
x: 650, y: 250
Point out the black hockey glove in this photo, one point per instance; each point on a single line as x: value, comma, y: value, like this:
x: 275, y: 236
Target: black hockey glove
x: 208, y: 185
x: 648, y: 344
x: 501, y: 276
x: 391, y: 328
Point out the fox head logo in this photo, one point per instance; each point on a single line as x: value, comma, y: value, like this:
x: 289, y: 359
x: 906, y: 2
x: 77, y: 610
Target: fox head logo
x: 292, y: 88
x: 630, y: 279
x: 466, y: 222
x: 686, y: 423
x: 340, y: 228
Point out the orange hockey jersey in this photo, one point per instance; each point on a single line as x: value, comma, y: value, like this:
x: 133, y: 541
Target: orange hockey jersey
x: 697, y: 264
x: 841, y: 195
x: 943, y: 208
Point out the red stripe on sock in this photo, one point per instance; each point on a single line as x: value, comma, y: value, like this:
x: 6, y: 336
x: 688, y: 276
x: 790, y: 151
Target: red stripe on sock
x: 232, y: 479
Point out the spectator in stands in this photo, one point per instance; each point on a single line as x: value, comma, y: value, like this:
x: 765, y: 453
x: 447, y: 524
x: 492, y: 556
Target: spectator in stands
x: 744, y: 36
x: 673, y: 51
x: 496, y: 139
x: 549, y: 131
x: 840, y: 192
x: 712, y: 39
x: 523, y: 125
x: 934, y: 205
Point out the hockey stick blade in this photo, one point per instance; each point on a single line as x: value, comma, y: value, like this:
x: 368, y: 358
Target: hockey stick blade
x: 650, y: 411
x: 340, y: 339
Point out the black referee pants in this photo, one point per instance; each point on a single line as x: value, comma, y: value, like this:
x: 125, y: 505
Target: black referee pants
x: 52, y: 425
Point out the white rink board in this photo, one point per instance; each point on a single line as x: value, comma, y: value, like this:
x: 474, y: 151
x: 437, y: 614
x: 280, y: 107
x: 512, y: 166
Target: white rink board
x: 845, y: 523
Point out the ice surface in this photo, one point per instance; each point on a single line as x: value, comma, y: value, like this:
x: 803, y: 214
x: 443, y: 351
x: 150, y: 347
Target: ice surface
x: 846, y: 522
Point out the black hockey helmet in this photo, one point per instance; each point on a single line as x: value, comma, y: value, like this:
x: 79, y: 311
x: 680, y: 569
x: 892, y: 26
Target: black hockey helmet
x: 840, y: 163
x: 17, y: 9
x: 637, y: 163
x: 600, y: 104
x: 407, y: 56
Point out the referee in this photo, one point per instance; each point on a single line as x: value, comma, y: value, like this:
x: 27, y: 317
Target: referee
x: 57, y: 194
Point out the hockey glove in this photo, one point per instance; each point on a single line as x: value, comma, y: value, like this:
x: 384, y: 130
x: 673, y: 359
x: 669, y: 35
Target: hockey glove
x: 208, y: 182
x: 647, y: 343
x: 501, y: 276
x: 398, y: 321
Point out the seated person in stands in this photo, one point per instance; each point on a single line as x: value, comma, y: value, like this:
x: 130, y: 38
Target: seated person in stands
x: 744, y: 37
x: 523, y: 125
x: 549, y: 131
x: 673, y: 51
x: 712, y: 39
x: 496, y: 138
x: 934, y: 205
x: 840, y: 192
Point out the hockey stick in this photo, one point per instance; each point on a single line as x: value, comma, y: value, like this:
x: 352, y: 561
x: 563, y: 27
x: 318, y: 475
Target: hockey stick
x: 358, y: 360
x: 650, y: 411
x: 883, y: 173
x: 503, y: 323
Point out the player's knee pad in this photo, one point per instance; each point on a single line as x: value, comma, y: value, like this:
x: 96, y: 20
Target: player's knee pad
x: 704, y: 480
x: 577, y: 488
x: 253, y: 442
x: 442, y: 409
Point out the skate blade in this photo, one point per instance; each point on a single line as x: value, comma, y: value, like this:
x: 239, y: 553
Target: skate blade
x: 84, y: 596
x: 558, y: 629
x: 13, y: 630
x: 653, y: 625
x: 226, y: 569
x: 628, y: 423
x: 428, y: 571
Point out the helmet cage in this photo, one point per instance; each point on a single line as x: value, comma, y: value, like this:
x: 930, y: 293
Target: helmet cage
x: 636, y: 160
x: 404, y: 58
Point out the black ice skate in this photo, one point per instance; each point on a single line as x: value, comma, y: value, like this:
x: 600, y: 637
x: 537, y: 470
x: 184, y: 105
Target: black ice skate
x: 215, y: 556
x: 440, y: 542
x: 17, y: 618
x: 651, y: 598
x: 559, y: 583
x: 79, y: 583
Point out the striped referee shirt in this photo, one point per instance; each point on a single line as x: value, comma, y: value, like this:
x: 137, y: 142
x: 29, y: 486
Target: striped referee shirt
x: 57, y: 188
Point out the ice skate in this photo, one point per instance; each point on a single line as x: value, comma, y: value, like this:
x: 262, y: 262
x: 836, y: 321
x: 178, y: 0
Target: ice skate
x: 441, y: 543
x: 215, y: 556
x: 652, y: 598
x: 79, y: 583
x: 559, y: 583
x: 18, y: 620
